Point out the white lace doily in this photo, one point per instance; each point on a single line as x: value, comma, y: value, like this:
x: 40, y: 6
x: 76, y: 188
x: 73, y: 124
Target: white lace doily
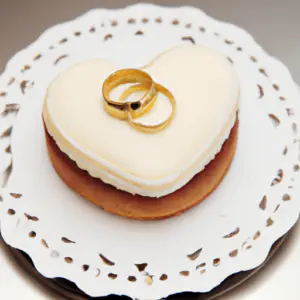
x: 231, y: 231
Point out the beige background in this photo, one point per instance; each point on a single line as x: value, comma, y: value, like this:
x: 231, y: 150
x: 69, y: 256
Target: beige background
x: 274, y: 23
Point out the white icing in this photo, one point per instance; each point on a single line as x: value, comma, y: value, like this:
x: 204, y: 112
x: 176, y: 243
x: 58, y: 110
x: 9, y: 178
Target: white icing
x: 206, y: 91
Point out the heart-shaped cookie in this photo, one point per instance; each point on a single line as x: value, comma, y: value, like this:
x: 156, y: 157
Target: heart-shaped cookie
x: 206, y: 90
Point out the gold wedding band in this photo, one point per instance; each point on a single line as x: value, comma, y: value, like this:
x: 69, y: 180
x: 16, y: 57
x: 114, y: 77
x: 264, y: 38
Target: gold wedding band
x: 125, y: 109
x: 125, y: 76
x: 122, y: 113
x: 161, y: 125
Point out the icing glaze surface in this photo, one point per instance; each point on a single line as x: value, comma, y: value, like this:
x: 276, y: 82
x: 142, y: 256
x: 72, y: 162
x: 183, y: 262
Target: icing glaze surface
x: 206, y: 90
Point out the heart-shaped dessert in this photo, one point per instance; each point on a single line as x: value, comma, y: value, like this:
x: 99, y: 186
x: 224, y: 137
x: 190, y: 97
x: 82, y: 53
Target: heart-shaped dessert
x: 150, y: 166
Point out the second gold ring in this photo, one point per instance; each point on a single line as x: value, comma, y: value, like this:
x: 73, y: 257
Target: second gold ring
x: 135, y: 107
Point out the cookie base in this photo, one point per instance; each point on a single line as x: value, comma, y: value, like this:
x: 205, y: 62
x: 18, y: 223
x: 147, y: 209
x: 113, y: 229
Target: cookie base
x: 138, y: 207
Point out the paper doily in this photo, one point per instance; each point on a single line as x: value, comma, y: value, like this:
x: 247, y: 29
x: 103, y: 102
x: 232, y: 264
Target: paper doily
x: 70, y: 291
x: 232, y: 231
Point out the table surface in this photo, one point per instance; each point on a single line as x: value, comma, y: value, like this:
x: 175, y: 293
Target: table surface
x: 274, y: 24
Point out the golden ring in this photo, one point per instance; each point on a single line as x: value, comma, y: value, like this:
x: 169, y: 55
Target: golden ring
x: 125, y: 76
x: 121, y: 113
x: 129, y: 110
x: 161, y: 125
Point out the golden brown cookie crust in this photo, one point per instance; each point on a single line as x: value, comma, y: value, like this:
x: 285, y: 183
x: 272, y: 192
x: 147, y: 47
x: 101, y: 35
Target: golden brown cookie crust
x: 138, y: 207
